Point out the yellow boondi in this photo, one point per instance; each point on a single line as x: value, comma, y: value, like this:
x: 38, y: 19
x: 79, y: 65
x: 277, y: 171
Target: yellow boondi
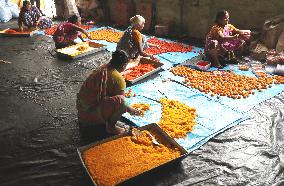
x: 82, y: 48
x: 118, y: 160
x: 141, y: 106
x: 177, y: 118
x: 106, y: 34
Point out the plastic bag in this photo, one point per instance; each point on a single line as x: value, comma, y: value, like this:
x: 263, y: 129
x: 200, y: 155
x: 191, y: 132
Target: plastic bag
x: 271, y: 31
x: 280, y: 43
x: 14, y: 9
x: 5, y: 14
x: 2, y: 3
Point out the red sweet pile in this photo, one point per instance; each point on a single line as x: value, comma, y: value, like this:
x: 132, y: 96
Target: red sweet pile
x: 202, y: 63
x: 10, y: 31
x: 164, y: 47
x: 138, y: 71
x: 51, y: 30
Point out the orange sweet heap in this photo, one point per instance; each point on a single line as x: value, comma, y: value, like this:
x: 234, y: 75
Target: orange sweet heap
x: 118, y: 160
x: 177, y: 118
x: 51, y: 30
x: 279, y: 79
x: 138, y: 71
x: 164, y: 46
x: 224, y: 84
x: 106, y: 34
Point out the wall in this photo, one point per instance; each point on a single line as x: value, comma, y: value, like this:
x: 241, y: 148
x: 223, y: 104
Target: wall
x: 194, y: 17
x: 16, y: 1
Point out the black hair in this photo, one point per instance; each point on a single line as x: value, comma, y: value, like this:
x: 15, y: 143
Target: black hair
x: 119, y: 59
x: 25, y: 3
x: 73, y: 19
x: 220, y: 15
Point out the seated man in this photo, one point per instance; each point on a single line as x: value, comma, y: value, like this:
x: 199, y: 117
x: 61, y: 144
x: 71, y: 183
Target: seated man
x: 224, y: 40
x: 100, y: 100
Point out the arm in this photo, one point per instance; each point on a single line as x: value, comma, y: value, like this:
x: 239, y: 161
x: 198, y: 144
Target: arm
x: 227, y: 38
x: 133, y: 111
x: 137, y: 38
x: 38, y: 14
x: 77, y: 28
x: 20, y: 21
x: 153, y: 45
x: 20, y: 24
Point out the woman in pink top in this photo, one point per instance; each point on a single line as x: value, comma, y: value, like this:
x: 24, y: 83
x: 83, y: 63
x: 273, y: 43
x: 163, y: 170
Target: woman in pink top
x: 224, y: 40
x: 67, y: 32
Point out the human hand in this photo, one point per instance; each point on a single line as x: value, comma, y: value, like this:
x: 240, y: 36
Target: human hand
x: 245, y: 32
x: 135, y: 112
x: 154, y: 58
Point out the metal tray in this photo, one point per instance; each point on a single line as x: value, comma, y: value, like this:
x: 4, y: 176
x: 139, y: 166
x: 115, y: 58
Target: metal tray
x: 158, y: 66
x: 67, y: 51
x: 166, y: 139
x: 18, y: 34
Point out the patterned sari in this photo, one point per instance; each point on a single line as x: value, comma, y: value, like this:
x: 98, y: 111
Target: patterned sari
x: 227, y: 49
x: 128, y: 44
x: 29, y: 18
x: 65, y: 35
x: 97, y: 103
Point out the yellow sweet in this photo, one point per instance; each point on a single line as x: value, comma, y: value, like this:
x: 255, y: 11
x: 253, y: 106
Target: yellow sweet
x: 177, y: 118
x: 115, y: 161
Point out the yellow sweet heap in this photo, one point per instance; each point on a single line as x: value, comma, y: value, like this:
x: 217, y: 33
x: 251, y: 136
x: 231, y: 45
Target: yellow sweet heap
x: 106, y: 34
x: 141, y: 106
x: 177, y: 118
x: 115, y: 161
x: 82, y: 48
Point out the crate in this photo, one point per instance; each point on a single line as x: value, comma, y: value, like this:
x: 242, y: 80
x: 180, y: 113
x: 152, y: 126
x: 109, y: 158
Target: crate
x: 143, y: 60
x: 165, y: 138
x: 68, y: 52
x: 26, y: 33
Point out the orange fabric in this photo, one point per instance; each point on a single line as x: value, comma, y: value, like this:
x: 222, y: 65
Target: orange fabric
x: 99, y: 95
x: 137, y: 36
x: 216, y: 30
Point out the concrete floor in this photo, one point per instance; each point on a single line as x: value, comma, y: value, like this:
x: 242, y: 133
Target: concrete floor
x: 39, y: 132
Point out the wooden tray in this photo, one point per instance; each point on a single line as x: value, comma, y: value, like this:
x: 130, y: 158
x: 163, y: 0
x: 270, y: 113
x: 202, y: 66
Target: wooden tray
x: 158, y: 66
x: 151, y: 127
x: 17, y: 34
x: 68, y: 52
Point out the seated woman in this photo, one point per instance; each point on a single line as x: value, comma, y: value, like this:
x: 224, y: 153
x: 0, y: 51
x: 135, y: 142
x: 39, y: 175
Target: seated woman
x: 31, y: 17
x: 132, y: 41
x: 224, y: 40
x: 68, y: 31
x: 100, y: 100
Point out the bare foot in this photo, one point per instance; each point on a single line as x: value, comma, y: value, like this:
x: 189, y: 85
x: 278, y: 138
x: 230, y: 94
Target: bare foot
x: 113, y: 129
